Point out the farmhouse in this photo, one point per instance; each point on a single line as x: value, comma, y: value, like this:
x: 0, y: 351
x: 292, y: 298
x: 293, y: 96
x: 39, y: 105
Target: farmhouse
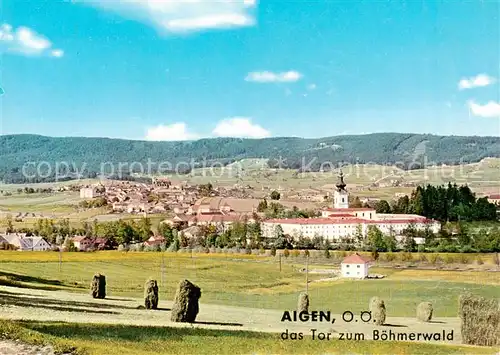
x: 154, y: 241
x: 24, y: 243
x: 341, y: 221
x: 82, y: 243
x: 355, y: 266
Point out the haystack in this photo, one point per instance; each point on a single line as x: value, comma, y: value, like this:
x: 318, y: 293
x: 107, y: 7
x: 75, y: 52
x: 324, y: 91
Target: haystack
x: 185, y: 308
x: 303, y: 304
x: 151, y: 294
x: 424, y: 312
x: 98, y: 286
x: 377, y: 309
x: 480, y: 320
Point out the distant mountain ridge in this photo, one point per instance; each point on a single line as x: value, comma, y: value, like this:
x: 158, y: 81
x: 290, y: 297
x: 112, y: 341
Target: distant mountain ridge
x: 405, y: 149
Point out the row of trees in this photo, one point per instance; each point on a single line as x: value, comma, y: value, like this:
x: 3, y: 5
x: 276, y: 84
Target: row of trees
x: 443, y: 203
x: 117, y: 232
x: 375, y: 240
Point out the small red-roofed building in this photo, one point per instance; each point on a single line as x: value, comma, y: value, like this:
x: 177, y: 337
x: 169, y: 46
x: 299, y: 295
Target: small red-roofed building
x: 355, y: 266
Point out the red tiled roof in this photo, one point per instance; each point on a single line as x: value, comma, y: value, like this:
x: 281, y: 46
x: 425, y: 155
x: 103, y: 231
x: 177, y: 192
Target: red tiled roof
x: 79, y: 238
x: 352, y: 220
x: 355, y: 259
x: 494, y: 197
x: 206, y: 217
x: 341, y: 215
x: 320, y: 220
x: 399, y: 221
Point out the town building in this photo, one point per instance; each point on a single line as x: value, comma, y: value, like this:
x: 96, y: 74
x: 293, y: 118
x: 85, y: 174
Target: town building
x: 355, y: 266
x: 340, y: 222
x: 494, y: 199
x: 88, y: 192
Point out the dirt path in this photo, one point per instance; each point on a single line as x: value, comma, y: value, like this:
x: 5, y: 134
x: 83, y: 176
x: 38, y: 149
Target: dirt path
x: 28, y: 304
x: 10, y: 347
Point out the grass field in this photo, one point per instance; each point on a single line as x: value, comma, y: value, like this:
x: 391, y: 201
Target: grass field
x: 118, y: 340
x: 249, y: 281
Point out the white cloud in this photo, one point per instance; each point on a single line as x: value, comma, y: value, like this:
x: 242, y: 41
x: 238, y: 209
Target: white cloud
x: 240, y: 127
x: 58, y: 53
x: 490, y: 109
x: 174, y: 132
x: 25, y: 41
x: 181, y: 16
x: 270, y: 77
x: 476, y: 81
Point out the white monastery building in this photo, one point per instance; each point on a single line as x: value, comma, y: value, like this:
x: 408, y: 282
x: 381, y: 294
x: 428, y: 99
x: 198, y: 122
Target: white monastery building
x: 341, y: 221
x: 355, y: 266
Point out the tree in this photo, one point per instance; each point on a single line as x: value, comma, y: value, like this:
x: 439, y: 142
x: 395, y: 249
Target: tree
x: 262, y: 206
x: 390, y: 242
x: 409, y: 234
x: 275, y: 195
x: 279, y: 237
x: 356, y: 202
x: 64, y: 228
x: 359, y: 238
x: 375, y: 239
x: 144, y: 229
x: 165, y: 230
x: 286, y: 253
x: 9, y: 224
x: 382, y: 206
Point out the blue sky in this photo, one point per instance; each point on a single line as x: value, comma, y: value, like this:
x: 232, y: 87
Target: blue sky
x: 166, y: 70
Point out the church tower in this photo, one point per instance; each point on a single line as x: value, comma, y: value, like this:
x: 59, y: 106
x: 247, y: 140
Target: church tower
x: 340, y: 195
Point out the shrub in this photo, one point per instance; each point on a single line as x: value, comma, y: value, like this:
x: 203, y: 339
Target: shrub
x: 306, y: 253
x: 463, y: 259
x: 449, y: 259
x: 424, y: 312
x: 377, y: 309
x: 303, y: 304
x: 327, y: 254
x: 496, y: 259
x: 405, y: 256
x: 434, y: 258
x: 185, y: 308
x: 262, y: 251
x: 295, y: 253
x: 422, y: 258
x: 480, y: 320
x: 286, y: 253
x: 98, y: 286
x: 390, y: 257
x: 151, y: 294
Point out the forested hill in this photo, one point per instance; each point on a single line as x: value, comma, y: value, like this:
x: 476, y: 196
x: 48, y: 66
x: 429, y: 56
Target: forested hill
x: 407, y: 150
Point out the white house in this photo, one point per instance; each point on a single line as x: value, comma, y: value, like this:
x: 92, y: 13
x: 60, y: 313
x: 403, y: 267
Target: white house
x: 24, y: 243
x: 355, y: 266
